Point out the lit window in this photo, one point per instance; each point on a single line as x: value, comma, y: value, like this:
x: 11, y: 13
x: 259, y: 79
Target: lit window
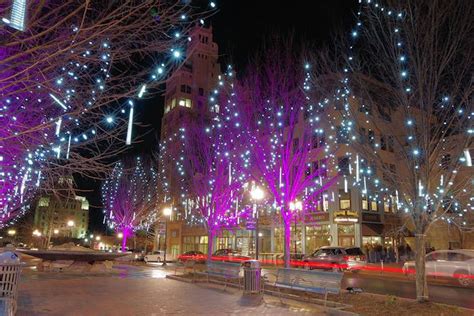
x: 386, y: 206
x: 185, y: 103
x: 373, y: 205
x: 344, y: 200
x: 365, y: 204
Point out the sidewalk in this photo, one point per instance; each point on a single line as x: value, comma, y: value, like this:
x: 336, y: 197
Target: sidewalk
x: 139, y: 292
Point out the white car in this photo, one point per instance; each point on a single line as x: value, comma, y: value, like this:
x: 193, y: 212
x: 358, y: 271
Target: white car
x: 457, y: 264
x: 155, y: 256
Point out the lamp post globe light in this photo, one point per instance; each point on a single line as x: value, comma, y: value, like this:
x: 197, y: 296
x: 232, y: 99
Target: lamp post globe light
x: 296, y: 206
x: 70, y: 224
x: 167, y: 211
x: 257, y: 194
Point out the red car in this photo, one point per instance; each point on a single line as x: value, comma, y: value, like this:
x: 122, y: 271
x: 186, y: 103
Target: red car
x: 194, y: 255
x: 229, y: 255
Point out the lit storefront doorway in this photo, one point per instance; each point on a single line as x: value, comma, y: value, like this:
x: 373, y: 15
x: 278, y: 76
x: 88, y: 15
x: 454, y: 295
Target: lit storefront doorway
x: 346, y: 235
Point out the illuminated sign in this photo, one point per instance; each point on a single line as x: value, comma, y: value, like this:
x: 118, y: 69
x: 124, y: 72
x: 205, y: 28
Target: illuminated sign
x: 346, y: 216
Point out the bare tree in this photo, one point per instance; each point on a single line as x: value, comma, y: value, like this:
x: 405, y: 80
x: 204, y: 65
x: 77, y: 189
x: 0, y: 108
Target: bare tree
x: 408, y: 106
x: 68, y: 79
x: 284, y: 133
x: 216, y: 161
x: 129, y: 197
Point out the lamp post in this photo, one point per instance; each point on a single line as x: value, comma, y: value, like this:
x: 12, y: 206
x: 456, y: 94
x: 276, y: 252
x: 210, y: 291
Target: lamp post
x: 296, y: 206
x: 12, y: 233
x: 256, y: 194
x: 167, y: 211
x: 70, y: 224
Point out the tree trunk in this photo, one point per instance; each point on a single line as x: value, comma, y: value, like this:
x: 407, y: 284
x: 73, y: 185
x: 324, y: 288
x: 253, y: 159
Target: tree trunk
x: 210, y: 243
x: 287, y: 243
x: 421, y: 282
x: 125, y: 233
x: 124, y: 241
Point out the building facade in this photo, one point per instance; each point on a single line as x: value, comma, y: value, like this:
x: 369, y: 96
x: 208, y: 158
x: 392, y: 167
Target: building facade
x: 62, y: 217
x: 345, y: 216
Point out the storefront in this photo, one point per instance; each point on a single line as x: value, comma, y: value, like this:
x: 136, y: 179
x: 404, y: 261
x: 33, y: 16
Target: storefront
x: 317, y: 236
x: 348, y: 228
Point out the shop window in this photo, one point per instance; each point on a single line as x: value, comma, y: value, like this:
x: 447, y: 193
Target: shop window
x: 386, y: 206
x: 317, y: 237
x: 344, y: 200
x: 345, y: 229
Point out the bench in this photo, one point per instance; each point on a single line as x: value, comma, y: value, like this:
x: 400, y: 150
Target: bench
x: 321, y: 282
x: 226, y: 270
x: 186, y: 265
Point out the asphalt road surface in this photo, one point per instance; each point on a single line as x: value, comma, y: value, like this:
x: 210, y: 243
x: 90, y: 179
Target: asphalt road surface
x: 447, y: 294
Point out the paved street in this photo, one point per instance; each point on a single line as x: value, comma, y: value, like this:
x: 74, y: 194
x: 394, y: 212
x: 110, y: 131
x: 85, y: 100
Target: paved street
x: 447, y: 292
x: 138, y: 291
x: 389, y: 285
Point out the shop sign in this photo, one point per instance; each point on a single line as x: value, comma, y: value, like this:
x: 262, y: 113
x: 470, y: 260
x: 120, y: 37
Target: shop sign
x: 346, y: 216
x: 251, y: 224
x: 317, y: 217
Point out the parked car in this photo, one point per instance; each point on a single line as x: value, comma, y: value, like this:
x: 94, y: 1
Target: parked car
x: 229, y: 255
x: 336, y: 258
x: 139, y: 255
x: 194, y: 255
x: 155, y: 256
x: 457, y: 264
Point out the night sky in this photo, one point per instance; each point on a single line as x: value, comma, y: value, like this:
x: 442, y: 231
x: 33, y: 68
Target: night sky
x: 240, y: 27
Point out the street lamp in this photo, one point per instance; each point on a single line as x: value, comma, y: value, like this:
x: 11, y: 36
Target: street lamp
x: 70, y: 224
x: 56, y: 231
x: 296, y: 206
x: 256, y: 194
x: 11, y: 232
x: 167, y: 211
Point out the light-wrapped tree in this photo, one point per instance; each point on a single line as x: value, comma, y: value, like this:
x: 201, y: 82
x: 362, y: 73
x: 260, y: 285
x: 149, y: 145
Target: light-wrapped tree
x: 284, y: 133
x: 409, y: 113
x: 69, y: 71
x: 129, y: 197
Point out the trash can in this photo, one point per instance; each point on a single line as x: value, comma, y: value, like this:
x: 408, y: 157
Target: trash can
x: 10, y: 269
x: 252, y: 277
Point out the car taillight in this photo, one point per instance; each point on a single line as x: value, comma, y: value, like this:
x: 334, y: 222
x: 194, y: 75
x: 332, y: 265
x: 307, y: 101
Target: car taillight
x: 346, y: 258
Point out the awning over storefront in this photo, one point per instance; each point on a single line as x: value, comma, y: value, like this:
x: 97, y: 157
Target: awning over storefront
x: 372, y: 229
